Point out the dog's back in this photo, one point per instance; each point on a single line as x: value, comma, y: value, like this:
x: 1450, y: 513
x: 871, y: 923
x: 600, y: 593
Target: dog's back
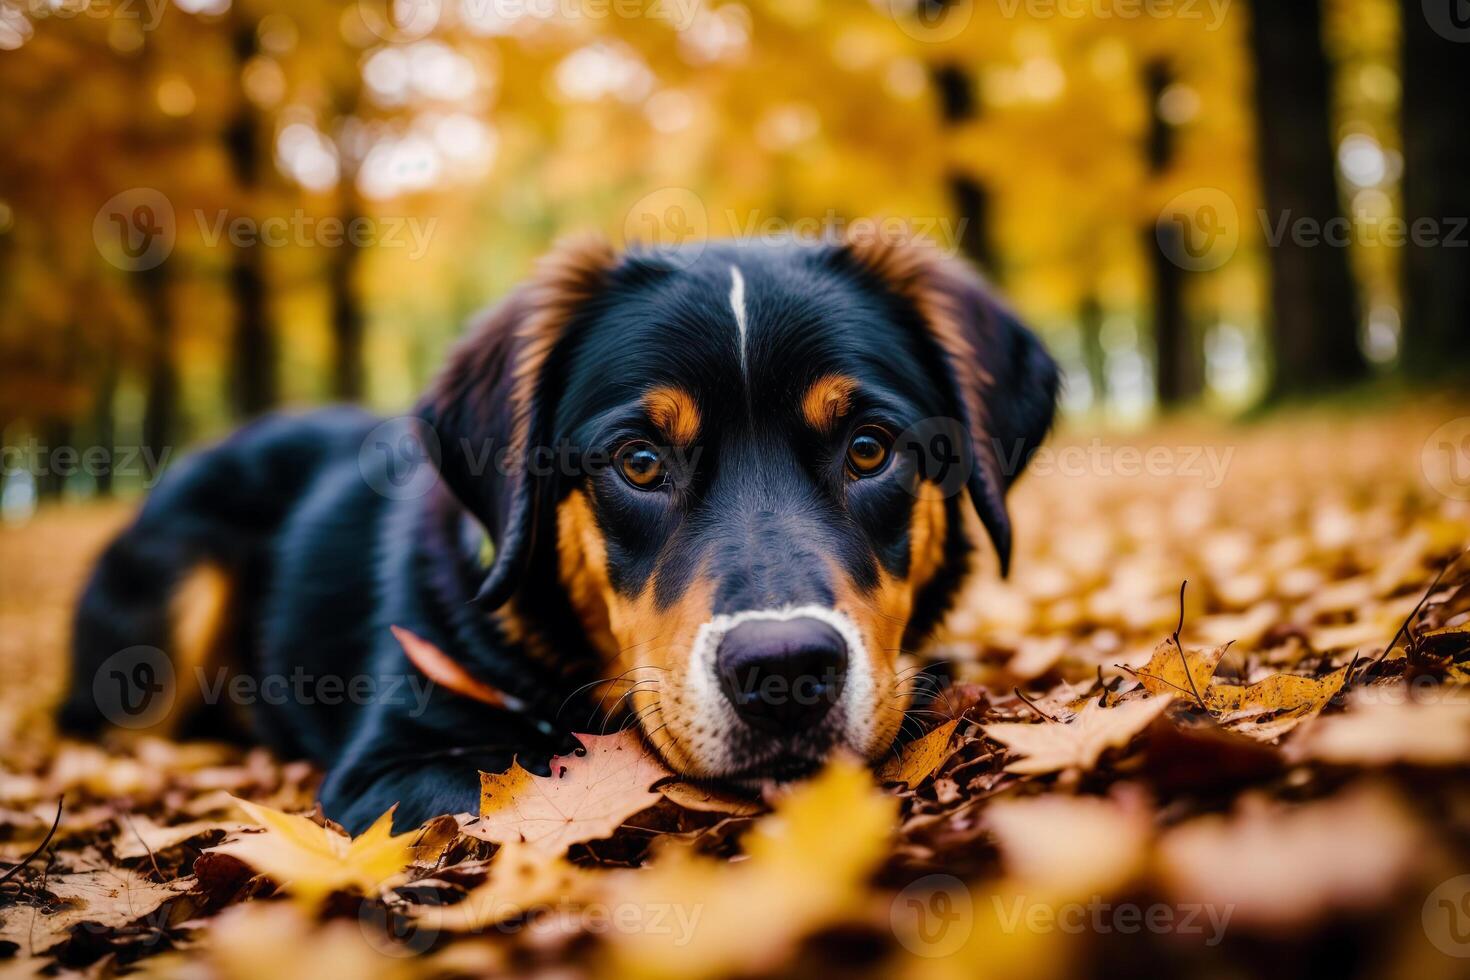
x: 184, y: 583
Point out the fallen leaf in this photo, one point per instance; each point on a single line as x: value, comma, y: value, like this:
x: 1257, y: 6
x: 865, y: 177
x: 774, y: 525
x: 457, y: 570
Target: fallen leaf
x: 1277, y: 868
x: 521, y: 878
x: 800, y: 874
x: 1270, y: 708
x: 279, y: 940
x: 1386, y: 725
x: 1184, y: 673
x: 1071, y: 845
x: 110, y: 899
x: 705, y: 800
x: 1076, y: 744
x: 311, y: 861
x: 140, y: 836
x: 918, y: 760
x: 586, y: 797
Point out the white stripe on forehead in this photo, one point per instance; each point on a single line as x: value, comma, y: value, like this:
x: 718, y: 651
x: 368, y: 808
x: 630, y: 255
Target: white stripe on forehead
x: 737, y: 304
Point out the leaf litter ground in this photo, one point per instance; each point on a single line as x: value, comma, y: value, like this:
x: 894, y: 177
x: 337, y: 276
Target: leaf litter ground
x: 1265, y: 769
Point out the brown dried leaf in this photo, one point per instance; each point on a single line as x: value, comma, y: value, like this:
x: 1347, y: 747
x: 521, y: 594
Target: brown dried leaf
x: 920, y: 758
x: 1079, y: 743
x: 103, y: 899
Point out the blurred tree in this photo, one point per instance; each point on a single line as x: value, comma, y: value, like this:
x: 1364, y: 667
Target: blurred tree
x: 1178, y: 361
x: 1436, y: 137
x: 1314, y: 308
x: 253, y: 354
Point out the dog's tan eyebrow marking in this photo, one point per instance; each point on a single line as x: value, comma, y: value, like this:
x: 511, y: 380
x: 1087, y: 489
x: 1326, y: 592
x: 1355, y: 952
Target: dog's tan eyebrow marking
x: 737, y: 305
x: 827, y: 400
x: 675, y: 413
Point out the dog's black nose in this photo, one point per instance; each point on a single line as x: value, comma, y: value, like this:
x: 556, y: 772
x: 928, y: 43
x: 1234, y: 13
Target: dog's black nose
x: 782, y: 674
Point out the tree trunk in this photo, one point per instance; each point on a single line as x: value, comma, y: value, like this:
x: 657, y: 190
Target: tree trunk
x: 161, y: 401
x: 347, y: 318
x: 253, y: 347
x: 104, y: 423
x: 1094, y: 357
x: 1178, y: 368
x: 1436, y: 271
x: 969, y: 198
x: 1314, y: 307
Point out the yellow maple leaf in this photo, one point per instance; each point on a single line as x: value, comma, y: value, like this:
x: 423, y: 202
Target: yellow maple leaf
x: 586, y: 797
x: 807, y: 867
x: 1182, y: 672
x: 521, y: 878
x: 310, y: 861
x: 1270, y: 708
x: 1077, y: 744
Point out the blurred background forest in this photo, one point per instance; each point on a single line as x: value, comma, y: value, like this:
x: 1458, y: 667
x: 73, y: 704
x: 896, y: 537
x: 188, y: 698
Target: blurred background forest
x: 211, y: 208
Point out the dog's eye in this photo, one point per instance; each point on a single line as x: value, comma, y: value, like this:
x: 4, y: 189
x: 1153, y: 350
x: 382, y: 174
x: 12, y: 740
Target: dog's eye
x: 641, y: 465
x: 867, y: 452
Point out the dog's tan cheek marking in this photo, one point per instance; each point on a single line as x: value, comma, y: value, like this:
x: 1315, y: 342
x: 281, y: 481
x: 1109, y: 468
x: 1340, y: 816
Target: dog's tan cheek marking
x: 882, y: 613
x: 827, y: 400
x: 632, y: 632
x: 674, y: 412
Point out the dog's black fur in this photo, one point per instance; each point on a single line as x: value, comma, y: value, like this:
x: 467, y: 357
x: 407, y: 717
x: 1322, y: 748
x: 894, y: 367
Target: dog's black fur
x: 322, y: 563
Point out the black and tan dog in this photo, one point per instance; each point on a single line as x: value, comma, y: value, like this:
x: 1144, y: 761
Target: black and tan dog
x: 699, y: 477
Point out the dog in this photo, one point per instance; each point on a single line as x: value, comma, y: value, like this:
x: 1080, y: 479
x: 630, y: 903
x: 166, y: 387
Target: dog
x: 718, y: 486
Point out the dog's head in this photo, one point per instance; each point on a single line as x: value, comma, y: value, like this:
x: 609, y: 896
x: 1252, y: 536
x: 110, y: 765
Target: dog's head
x: 744, y: 468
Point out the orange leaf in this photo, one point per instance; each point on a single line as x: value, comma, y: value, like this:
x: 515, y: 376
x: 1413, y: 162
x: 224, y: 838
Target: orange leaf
x: 586, y: 797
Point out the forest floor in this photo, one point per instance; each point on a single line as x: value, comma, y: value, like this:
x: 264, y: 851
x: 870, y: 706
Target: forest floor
x: 1276, y: 788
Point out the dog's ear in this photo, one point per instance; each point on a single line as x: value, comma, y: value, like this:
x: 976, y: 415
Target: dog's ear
x: 492, y: 410
x: 1005, y: 383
